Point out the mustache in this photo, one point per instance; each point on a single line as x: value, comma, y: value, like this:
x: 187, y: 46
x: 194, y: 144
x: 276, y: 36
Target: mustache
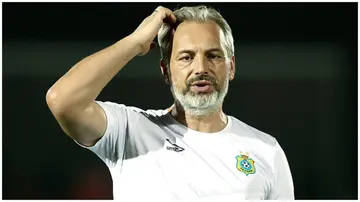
x: 202, y: 77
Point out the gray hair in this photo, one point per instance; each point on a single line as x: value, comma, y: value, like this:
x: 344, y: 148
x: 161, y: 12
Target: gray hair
x: 198, y: 14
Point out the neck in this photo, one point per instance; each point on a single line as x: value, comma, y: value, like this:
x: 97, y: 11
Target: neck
x: 208, y: 124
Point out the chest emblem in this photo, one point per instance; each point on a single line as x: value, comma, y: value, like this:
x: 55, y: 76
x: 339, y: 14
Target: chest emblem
x: 245, y: 164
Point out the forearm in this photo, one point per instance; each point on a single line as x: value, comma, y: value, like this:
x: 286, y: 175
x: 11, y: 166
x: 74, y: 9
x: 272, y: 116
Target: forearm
x: 80, y: 86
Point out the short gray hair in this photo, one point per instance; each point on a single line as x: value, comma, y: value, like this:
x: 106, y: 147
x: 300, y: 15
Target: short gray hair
x: 198, y: 14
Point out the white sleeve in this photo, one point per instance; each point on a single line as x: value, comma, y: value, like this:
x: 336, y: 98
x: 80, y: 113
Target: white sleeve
x: 110, y: 147
x: 282, y: 186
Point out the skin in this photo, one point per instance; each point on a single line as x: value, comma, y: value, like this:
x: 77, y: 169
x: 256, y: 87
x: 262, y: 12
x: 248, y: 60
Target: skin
x: 198, y: 49
x: 71, y: 99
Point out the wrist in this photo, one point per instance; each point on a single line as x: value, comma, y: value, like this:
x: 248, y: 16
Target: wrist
x: 130, y: 43
x: 135, y: 44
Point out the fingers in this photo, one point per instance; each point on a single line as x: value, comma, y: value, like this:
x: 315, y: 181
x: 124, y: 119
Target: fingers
x: 165, y: 13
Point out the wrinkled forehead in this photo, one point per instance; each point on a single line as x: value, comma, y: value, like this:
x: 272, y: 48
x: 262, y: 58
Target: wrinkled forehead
x: 198, y: 35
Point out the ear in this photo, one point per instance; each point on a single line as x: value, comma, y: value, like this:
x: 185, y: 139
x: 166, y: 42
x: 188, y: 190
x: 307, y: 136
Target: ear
x: 164, y: 71
x: 232, y: 68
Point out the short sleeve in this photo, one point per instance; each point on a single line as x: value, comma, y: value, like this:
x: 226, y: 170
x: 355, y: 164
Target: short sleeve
x: 282, y: 185
x: 110, y: 147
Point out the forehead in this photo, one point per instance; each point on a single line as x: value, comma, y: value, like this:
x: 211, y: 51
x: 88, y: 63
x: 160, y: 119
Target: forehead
x: 197, y: 35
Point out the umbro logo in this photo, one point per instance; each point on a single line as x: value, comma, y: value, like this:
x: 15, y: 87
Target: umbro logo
x: 174, y: 147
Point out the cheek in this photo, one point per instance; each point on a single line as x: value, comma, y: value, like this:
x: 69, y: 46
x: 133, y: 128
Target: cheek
x: 222, y: 73
x: 178, y: 78
x: 177, y: 82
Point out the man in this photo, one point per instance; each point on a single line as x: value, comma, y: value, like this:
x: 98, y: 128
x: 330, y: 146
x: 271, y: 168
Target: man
x: 192, y: 150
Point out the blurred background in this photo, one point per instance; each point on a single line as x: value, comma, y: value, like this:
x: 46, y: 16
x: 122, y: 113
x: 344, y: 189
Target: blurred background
x: 296, y: 79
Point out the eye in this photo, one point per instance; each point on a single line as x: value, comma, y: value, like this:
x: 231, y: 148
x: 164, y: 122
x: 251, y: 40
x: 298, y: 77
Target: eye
x: 185, y: 58
x: 213, y: 56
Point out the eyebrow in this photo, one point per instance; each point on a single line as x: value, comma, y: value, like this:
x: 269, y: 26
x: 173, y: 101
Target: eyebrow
x: 192, y: 51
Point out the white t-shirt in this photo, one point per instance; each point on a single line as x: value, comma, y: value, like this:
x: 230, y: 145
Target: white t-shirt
x: 152, y: 157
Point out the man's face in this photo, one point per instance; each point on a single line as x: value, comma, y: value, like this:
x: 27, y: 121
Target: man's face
x: 200, y: 69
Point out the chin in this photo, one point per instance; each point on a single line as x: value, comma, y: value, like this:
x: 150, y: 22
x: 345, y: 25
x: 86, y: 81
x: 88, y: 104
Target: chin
x: 199, y: 104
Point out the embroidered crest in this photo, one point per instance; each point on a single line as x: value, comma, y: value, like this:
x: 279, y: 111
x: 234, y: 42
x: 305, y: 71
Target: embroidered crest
x: 245, y: 164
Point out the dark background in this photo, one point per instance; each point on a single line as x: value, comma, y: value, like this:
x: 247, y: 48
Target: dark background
x: 296, y: 80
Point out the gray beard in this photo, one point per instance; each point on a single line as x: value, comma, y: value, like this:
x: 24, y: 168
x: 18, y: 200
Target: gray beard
x: 200, y: 105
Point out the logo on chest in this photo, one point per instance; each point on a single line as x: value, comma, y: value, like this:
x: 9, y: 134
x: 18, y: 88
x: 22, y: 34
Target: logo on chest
x: 245, y: 164
x: 173, y: 147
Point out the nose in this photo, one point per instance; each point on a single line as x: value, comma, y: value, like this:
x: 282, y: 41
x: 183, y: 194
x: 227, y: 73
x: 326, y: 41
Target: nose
x: 201, y: 66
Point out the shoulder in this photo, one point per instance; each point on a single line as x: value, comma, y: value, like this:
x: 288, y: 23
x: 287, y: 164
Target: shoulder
x: 131, y: 110
x: 245, y: 130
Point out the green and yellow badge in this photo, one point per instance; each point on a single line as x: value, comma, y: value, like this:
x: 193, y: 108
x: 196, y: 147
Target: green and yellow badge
x: 245, y: 164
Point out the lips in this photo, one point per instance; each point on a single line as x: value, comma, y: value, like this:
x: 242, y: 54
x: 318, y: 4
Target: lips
x: 201, y: 83
x: 202, y: 86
